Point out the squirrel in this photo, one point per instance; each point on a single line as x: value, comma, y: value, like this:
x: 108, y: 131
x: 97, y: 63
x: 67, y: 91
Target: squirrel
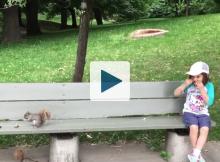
x: 37, y: 119
x: 20, y: 155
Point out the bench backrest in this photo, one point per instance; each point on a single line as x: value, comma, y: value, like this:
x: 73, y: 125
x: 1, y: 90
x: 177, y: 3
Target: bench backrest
x: 71, y: 100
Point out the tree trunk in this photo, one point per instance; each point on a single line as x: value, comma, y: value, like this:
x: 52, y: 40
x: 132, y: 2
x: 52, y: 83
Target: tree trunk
x: 19, y: 17
x: 217, y: 2
x: 63, y: 18
x: 33, y: 27
x: 187, y: 7
x: 1, y: 4
x: 176, y: 9
x: 82, y: 42
x: 98, y: 16
x: 73, y: 14
x: 11, y: 30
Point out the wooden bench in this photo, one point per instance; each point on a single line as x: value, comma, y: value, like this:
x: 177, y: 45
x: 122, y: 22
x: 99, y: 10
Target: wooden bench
x: 150, y: 107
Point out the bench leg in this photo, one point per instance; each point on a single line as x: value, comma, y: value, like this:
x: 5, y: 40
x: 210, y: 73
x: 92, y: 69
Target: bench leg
x: 64, y: 148
x: 178, y: 146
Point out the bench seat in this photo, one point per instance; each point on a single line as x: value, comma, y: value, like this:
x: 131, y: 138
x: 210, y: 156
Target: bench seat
x: 91, y: 125
x: 151, y: 106
x: 72, y: 110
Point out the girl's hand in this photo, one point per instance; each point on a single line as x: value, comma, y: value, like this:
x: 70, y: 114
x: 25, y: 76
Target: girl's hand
x: 199, y: 85
x: 201, y: 88
x: 187, y: 82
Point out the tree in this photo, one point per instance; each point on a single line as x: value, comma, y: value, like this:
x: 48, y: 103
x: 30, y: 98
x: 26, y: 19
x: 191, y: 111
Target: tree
x: 11, y: 30
x: 63, y: 6
x: 122, y: 10
x: 217, y: 5
x: 82, y: 41
x: 19, y: 17
x: 2, y: 4
x: 33, y: 27
x: 174, y: 3
x: 187, y: 3
x: 98, y: 15
x: 73, y: 15
x: 73, y: 4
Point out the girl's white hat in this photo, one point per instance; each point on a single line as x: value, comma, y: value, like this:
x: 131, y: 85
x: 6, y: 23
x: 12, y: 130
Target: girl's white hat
x: 198, y: 68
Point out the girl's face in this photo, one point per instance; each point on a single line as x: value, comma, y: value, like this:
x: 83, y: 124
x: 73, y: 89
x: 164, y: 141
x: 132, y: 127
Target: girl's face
x: 197, y: 78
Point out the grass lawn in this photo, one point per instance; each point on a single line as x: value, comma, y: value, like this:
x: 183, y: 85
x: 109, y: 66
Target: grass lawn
x: 50, y: 57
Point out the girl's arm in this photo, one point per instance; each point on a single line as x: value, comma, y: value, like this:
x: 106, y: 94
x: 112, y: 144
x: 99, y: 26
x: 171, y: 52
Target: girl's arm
x: 211, y: 94
x: 207, y: 96
x: 204, y: 94
x: 179, y: 90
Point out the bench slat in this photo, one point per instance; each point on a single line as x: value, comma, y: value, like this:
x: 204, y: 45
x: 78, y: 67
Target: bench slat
x: 90, y: 125
x: 94, y: 109
x: 66, y: 91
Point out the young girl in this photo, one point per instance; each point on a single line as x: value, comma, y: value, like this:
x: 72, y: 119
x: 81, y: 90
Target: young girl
x: 199, y: 92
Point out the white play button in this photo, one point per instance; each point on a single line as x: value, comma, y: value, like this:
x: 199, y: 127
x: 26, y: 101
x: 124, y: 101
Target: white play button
x: 110, y: 80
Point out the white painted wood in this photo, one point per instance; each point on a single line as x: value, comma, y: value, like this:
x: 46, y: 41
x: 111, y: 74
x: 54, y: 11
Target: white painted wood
x: 43, y: 91
x: 64, y: 149
x: 91, y: 125
x: 72, y: 111
x: 91, y: 109
x: 75, y: 91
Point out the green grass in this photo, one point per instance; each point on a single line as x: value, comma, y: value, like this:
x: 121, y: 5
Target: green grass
x: 51, y: 58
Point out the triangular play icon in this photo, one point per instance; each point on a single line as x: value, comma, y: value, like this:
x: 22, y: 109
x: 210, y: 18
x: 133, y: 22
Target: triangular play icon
x: 108, y: 80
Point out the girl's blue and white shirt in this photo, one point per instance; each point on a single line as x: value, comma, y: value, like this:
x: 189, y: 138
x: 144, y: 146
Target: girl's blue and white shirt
x: 194, y: 101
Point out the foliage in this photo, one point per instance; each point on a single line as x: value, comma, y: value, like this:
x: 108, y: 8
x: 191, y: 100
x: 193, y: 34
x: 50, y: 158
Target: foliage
x: 122, y: 10
x: 165, y: 155
x: 171, y: 8
x: 13, y: 140
x: 217, y: 1
x: 217, y: 5
x: 159, y: 8
x: 202, y: 6
x: 154, y: 139
x: 51, y: 8
x: 10, y: 3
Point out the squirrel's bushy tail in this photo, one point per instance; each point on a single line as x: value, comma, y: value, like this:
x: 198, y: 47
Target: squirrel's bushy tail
x: 45, y: 115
